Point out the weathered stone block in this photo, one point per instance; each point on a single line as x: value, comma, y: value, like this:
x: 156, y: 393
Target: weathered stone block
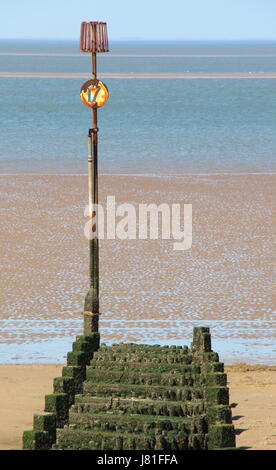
x: 221, y: 436
x: 214, y: 367
x: 58, y: 403
x: 216, y: 378
x: 217, y: 395
x: 197, y: 442
x: 78, y: 358
x: 219, y: 414
x: 65, y: 385
x: 91, y: 322
x: 92, y: 338
x: 78, y: 373
x: 201, y: 339
x: 46, y: 422
x: 36, y: 440
x: 198, y: 331
x: 210, y: 357
x: 199, y: 425
x: 82, y: 346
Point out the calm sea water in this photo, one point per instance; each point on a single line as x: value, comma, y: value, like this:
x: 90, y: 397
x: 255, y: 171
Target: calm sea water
x: 147, y: 126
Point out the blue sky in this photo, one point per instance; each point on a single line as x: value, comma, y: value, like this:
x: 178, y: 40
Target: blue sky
x: 141, y: 19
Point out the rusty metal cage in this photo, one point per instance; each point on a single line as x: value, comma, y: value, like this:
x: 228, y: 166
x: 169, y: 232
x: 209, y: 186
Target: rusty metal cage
x: 93, y: 36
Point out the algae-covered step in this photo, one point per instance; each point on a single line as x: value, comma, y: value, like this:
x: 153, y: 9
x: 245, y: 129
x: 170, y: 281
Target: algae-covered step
x: 139, y: 397
x: 142, y: 391
x: 141, y: 378
x: 77, y: 439
x: 150, y: 366
x: 166, y: 356
x: 136, y: 423
x: 95, y: 404
x: 141, y: 348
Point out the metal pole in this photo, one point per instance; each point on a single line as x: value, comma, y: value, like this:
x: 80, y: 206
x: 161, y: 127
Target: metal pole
x: 93, y: 39
x: 91, y: 307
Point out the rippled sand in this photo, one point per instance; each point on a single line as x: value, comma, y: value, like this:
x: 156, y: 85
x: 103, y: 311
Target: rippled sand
x: 149, y: 293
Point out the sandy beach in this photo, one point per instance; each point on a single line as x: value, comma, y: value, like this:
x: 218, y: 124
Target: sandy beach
x: 252, y: 394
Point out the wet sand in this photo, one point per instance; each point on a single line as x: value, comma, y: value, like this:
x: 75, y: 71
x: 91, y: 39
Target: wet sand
x: 149, y: 292
x: 252, y: 391
x: 182, y: 76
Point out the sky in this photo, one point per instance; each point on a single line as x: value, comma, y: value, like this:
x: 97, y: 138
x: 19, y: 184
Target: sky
x: 141, y: 19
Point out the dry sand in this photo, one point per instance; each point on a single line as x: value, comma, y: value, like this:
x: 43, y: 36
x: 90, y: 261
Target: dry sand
x: 22, y: 393
x: 252, y: 391
x: 253, y: 396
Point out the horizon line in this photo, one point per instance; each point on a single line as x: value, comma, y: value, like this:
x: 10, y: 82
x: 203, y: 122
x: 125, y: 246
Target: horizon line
x: 146, y: 39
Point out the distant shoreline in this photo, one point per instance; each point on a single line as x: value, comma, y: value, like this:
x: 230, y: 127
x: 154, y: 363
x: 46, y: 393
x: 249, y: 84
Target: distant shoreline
x: 146, y: 175
x: 181, y: 76
x: 170, y: 56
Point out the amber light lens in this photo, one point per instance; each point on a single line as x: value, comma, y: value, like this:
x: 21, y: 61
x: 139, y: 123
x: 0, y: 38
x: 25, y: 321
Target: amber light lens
x: 94, y: 93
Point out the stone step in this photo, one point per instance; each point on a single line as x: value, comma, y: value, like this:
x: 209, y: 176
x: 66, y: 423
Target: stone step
x: 137, y: 397
x: 163, y: 367
x: 136, y: 423
x: 84, y: 403
x: 142, y: 391
x: 141, y: 357
x: 111, y: 376
x: 145, y: 348
x: 78, y: 439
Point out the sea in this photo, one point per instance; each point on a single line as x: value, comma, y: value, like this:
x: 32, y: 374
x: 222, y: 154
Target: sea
x: 149, y: 125
x: 174, y: 109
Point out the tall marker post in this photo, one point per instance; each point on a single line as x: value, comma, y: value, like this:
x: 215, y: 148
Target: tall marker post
x: 94, y: 94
